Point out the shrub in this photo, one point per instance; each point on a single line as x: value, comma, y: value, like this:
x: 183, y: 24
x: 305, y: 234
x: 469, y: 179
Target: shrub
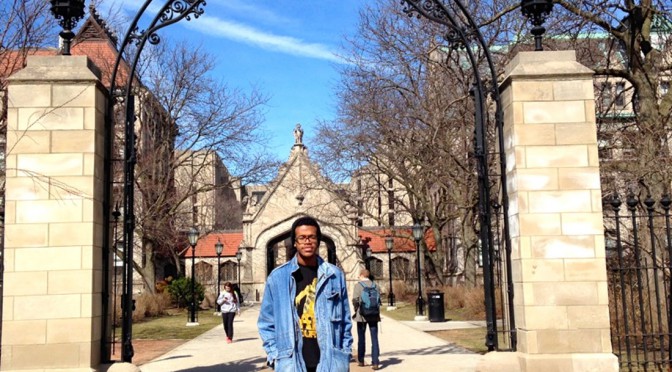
x: 453, y: 297
x: 147, y: 305
x: 403, y: 291
x: 474, y: 302
x: 180, y: 291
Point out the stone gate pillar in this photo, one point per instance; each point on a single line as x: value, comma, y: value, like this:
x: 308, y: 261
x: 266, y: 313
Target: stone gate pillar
x: 53, y: 226
x: 555, y: 213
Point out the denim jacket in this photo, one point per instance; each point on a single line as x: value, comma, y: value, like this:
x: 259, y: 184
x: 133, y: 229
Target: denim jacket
x: 278, y: 321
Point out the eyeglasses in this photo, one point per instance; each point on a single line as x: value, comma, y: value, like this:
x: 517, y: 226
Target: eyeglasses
x: 306, y: 239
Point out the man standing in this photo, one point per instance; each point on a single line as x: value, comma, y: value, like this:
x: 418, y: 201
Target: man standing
x: 366, y: 300
x: 304, y: 320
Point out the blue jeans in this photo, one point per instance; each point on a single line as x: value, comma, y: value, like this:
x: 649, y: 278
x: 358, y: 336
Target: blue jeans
x: 361, y: 341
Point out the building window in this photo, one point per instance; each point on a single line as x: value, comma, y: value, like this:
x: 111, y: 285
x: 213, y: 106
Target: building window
x: 401, y: 269
x: 664, y: 87
x: 620, y: 94
x: 390, y: 201
x: 605, y: 94
x: 203, y: 273
x: 376, y: 267
x: 230, y: 271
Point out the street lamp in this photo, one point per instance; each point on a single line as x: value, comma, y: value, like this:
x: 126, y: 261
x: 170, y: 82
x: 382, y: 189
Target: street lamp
x: 537, y: 11
x: 68, y: 13
x: 389, y: 244
x: 367, y: 253
x: 192, y: 235
x: 418, y: 231
x: 239, y: 256
x: 219, y: 247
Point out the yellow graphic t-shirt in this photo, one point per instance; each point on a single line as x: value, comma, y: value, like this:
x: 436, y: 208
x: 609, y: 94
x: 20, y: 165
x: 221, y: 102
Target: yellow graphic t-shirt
x: 306, y: 288
x: 307, y: 320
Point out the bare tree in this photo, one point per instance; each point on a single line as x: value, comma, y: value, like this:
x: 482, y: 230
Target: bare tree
x: 191, y: 124
x: 25, y: 26
x: 405, y: 112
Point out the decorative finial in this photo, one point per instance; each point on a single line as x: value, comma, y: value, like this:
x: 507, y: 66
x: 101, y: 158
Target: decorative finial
x: 537, y: 11
x: 68, y: 13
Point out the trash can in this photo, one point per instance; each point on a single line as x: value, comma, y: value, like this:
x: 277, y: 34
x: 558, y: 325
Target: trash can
x: 436, y: 307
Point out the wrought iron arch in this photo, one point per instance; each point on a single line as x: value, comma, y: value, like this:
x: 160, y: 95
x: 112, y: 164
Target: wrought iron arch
x: 463, y: 33
x: 171, y: 12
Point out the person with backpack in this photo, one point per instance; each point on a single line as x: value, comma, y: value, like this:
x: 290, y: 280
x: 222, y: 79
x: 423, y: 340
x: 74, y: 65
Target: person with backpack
x: 366, y: 301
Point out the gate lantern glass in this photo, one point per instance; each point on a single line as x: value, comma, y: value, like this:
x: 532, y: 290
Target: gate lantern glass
x: 68, y: 13
x: 219, y: 247
x: 239, y: 256
x: 537, y: 11
x: 193, y: 239
x: 418, y: 231
x: 389, y: 244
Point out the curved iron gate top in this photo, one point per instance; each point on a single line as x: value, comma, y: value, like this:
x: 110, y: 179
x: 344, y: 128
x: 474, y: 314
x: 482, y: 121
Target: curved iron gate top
x: 463, y: 30
x: 172, y: 11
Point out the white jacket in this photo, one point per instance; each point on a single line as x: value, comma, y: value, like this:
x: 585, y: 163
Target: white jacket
x: 228, y: 302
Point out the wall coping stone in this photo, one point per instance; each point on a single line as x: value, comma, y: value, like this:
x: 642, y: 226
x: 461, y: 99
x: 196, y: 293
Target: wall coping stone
x: 544, y: 65
x: 71, y: 68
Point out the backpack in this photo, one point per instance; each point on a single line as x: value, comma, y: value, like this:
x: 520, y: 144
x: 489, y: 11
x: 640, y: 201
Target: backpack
x: 369, y: 301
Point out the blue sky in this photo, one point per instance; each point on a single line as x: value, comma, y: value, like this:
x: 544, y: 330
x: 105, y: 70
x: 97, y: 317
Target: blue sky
x: 286, y: 48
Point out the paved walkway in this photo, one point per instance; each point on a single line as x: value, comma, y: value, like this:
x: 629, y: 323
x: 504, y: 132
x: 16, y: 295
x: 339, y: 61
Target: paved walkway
x: 404, y: 347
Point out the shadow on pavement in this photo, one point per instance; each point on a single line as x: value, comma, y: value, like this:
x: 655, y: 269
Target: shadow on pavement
x: 244, y: 365
x: 434, y: 350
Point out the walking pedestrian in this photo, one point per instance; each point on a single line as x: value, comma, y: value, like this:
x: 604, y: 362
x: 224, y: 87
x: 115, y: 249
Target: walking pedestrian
x: 229, y: 307
x: 366, y: 301
x: 306, y: 297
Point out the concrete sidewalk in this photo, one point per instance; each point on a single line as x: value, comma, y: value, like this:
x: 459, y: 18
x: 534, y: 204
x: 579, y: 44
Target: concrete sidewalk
x: 403, y: 347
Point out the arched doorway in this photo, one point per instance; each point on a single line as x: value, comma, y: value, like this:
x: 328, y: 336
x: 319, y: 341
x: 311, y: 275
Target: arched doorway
x: 279, y: 251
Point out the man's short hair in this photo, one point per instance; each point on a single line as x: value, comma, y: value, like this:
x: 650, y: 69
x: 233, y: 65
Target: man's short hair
x: 304, y: 221
x: 365, y: 273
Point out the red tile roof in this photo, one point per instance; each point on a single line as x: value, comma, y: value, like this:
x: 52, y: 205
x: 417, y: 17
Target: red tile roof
x: 205, y: 247
x: 102, y: 52
x: 403, y: 239
x: 403, y: 242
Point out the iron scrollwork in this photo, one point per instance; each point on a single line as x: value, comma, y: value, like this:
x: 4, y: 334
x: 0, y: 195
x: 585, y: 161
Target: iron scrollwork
x: 171, y: 12
x: 463, y: 33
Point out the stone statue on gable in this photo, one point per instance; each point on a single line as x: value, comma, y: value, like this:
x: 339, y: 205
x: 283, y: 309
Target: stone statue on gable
x: 298, y: 135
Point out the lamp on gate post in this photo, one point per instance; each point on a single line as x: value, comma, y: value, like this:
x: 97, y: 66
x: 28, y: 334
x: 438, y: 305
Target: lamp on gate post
x: 219, y: 247
x: 418, y: 231
x: 239, y: 256
x: 537, y: 11
x: 193, y: 239
x: 68, y: 13
x: 389, y: 244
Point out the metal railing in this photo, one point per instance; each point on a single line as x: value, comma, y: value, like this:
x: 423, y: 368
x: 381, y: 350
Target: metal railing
x: 638, y: 251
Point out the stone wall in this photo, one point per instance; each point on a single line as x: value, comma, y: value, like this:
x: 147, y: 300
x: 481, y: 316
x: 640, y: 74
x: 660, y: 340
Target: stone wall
x: 53, y: 241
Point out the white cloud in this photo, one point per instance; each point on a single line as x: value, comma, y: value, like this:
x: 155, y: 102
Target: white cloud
x: 246, y: 34
x: 218, y: 27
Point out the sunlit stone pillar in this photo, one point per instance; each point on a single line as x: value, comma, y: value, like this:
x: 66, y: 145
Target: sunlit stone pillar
x: 53, y: 233
x: 555, y: 213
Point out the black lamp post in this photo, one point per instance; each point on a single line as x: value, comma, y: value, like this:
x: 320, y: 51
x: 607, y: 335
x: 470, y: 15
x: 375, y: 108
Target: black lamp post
x: 68, y: 13
x: 389, y: 244
x: 219, y: 247
x: 239, y: 256
x: 193, y: 239
x: 418, y: 231
x: 367, y: 253
x: 537, y: 11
